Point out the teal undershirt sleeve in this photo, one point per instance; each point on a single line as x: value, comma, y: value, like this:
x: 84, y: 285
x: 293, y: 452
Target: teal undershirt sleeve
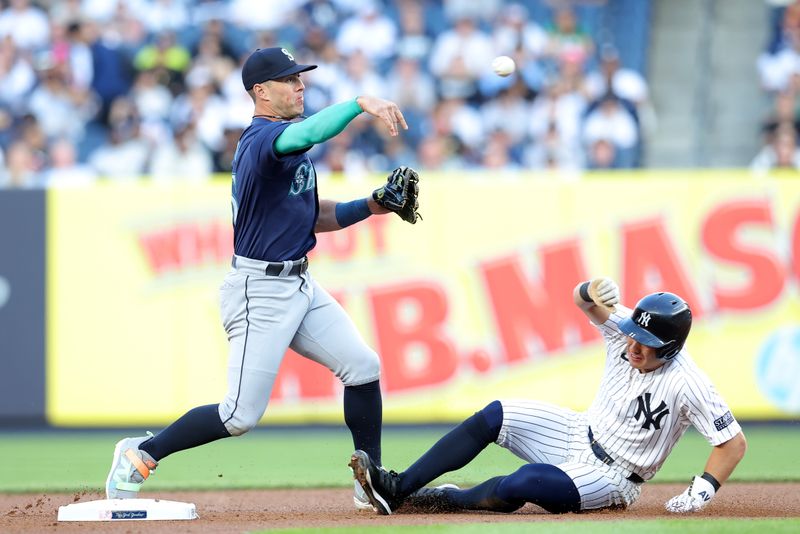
x: 317, y: 128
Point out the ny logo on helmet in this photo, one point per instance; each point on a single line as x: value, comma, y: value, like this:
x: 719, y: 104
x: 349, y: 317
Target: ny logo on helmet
x: 644, y: 319
x: 290, y: 56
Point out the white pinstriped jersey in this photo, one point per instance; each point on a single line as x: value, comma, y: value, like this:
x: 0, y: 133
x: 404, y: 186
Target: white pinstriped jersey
x: 639, y: 417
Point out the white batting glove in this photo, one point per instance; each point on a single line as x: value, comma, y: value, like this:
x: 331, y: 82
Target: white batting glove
x: 695, y: 498
x: 605, y: 292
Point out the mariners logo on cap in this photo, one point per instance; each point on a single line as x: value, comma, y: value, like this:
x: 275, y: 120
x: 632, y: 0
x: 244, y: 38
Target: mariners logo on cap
x: 290, y: 56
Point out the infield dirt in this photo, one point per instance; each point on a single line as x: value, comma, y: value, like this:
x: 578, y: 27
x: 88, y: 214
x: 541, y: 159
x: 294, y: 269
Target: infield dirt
x: 252, y: 510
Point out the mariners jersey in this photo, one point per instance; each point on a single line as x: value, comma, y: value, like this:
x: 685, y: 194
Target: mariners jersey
x: 639, y: 417
x: 274, y: 197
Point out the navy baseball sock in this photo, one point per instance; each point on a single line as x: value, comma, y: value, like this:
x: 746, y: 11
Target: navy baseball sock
x: 542, y: 484
x: 484, y: 496
x: 455, y: 449
x: 198, y: 426
x: 363, y: 415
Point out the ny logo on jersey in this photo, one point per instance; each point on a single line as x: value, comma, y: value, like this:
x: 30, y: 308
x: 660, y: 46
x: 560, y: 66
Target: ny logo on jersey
x: 644, y: 319
x: 651, y: 417
x: 305, y: 179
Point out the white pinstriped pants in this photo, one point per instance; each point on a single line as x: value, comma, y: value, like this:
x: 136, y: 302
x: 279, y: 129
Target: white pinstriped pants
x: 539, y: 432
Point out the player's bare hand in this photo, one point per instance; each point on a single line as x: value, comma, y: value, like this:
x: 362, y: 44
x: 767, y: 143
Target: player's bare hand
x: 385, y: 110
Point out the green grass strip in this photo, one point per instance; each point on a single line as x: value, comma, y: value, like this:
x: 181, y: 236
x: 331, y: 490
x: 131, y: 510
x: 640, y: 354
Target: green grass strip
x: 662, y: 526
x: 75, y: 461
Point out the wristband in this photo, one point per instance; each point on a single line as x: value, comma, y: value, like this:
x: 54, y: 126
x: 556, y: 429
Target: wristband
x: 348, y: 213
x: 708, y: 477
x: 583, y: 291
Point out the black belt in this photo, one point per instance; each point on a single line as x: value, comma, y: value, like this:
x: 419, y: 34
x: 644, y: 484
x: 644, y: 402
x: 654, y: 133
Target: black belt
x: 604, y: 457
x: 276, y: 268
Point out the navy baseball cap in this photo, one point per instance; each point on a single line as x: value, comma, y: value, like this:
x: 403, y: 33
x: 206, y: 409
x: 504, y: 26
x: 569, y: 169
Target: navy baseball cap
x: 270, y: 64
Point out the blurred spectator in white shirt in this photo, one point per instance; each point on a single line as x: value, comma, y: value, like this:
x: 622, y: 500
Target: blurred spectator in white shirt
x: 123, y: 29
x: 602, y: 154
x: 163, y: 15
x: 413, y: 42
x: 153, y: 100
x: 410, y: 87
x: 259, y: 15
x: 126, y: 154
x: 509, y: 112
x: 103, y: 11
x: 236, y: 100
x: 496, y: 153
x: 64, y: 170
x: 17, y: 76
x: 776, y: 70
x: 20, y: 170
x: 477, y: 10
x: 81, y: 63
x: 459, y: 57
x: 202, y: 107
x: 558, y: 108
x: 369, y: 32
x: 414, y: 90
x: 611, y: 122
x: 64, y: 12
x: 781, y: 152
x: 185, y: 159
x: 455, y: 118
x: 26, y: 24
x: 524, y: 41
x: 324, y: 79
x: 515, y: 32
x: 60, y: 110
x: 210, y: 58
x: 360, y: 79
x: 551, y: 151
x: 625, y: 83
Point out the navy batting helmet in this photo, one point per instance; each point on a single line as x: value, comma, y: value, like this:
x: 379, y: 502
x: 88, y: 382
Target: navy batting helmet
x: 660, y: 320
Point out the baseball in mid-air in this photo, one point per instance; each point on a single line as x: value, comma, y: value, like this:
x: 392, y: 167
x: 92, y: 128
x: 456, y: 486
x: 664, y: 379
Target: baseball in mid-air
x: 503, y: 65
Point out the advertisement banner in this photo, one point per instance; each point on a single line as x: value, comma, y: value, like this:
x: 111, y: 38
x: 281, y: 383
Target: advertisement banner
x: 22, y: 337
x: 471, y: 304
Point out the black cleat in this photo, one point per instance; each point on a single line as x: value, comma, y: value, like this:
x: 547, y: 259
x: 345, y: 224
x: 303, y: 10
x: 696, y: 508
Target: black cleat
x: 382, y: 487
x: 431, y: 500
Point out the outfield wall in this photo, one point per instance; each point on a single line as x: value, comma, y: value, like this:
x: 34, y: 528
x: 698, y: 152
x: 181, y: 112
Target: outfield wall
x: 471, y: 304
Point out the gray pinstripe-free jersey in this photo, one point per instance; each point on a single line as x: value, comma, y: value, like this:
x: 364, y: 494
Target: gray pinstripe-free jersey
x: 636, y: 417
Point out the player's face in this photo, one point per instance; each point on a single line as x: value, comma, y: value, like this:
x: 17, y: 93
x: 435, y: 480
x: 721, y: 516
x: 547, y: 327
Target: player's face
x: 642, y: 357
x: 286, y: 96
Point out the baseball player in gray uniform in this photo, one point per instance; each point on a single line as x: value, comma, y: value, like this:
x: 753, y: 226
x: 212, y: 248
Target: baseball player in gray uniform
x: 269, y: 300
x: 651, y: 391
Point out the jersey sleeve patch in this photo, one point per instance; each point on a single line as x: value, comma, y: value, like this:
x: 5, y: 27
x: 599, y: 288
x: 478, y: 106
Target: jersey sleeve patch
x: 724, y: 421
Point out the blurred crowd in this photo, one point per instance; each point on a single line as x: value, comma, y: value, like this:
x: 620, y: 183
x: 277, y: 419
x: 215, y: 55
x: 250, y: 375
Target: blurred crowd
x: 779, y: 71
x: 121, y: 89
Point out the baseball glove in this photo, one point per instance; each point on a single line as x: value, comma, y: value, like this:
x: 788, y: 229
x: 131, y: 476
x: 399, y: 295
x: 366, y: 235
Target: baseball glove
x: 400, y: 194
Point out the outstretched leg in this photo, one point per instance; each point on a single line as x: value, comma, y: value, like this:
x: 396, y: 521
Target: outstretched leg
x: 455, y: 449
x: 196, y: 427
x: 135, y: 458
x: 541, y: 484
x: 386, y: 489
